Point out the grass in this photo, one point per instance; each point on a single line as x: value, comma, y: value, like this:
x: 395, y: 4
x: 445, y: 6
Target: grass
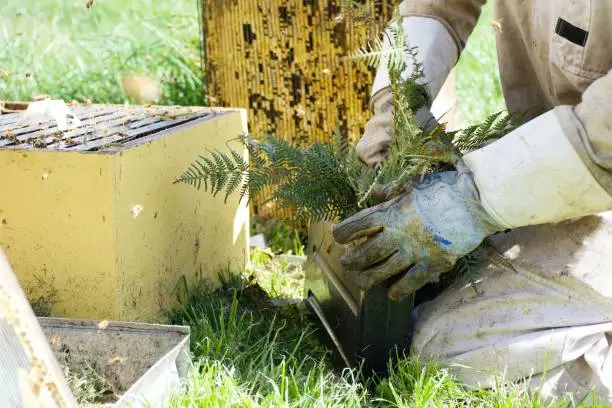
x: 250, y: 353
x: 479, y: 92
x: 87, y: 385
x: 280, y: 237
x: 65, y: 50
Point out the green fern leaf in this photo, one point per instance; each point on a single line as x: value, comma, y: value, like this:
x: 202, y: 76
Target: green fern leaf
x: 235, y: 180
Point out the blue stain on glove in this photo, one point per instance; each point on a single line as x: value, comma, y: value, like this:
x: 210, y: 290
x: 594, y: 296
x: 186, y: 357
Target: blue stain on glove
x: 442, y: 240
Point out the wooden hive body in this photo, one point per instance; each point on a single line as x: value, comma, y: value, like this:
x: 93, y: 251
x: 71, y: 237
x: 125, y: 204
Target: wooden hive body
x: 92, y: 222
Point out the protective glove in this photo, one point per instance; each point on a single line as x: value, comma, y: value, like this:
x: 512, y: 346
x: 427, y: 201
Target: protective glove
x: 423, y: 232
x: 533, y: 175
x: 374, y: 144
x: 437, y: 52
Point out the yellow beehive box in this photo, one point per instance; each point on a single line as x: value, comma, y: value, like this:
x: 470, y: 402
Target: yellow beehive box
x: 92, y: 222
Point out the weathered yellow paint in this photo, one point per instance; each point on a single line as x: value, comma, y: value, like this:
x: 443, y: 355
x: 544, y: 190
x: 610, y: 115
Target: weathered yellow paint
x: 110, y: 233
x: 179, y: 231
x: 56, y: 211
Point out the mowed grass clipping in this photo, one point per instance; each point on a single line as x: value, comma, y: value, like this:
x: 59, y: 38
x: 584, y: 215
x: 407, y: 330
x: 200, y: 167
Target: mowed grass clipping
x: 66, y: 50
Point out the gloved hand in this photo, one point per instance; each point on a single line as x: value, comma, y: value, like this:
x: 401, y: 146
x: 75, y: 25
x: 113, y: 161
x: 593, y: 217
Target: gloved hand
x: 423, y: 232
x: 437, y: 53
x: 373, y: 145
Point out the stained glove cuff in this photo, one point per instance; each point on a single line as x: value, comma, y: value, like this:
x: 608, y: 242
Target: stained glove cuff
x: 382, y: 101
x: 436, y: 51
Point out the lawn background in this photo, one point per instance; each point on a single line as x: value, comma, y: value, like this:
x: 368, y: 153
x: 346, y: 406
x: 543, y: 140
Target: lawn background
x: 63, y: 49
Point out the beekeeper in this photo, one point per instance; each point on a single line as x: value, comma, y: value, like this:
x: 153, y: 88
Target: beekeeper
x: 541, y: 194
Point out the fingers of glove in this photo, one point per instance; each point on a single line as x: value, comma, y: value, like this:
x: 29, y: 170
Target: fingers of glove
x: 425, y: 118
x: 373, y: 146
x: 396, y: 264
x: 372, y: 251
x: 416, y: 277
x: 373, y: 160
x: 361, y: 225
x: 384, y: 192
x: 380, y: 192
x: 366, y: 223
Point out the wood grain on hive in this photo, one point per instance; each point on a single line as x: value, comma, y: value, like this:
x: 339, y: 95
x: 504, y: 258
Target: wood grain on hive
x: 284, y: 61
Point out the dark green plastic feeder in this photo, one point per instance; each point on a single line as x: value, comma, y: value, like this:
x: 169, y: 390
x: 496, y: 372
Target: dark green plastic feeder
x: 363, y: 327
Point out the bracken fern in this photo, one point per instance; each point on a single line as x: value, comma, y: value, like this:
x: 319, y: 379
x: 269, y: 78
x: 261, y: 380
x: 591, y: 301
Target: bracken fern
x: 327, y: 181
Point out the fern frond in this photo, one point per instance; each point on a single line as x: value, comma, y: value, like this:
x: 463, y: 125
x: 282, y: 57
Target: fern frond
x: 495, y: 126
x: 495, y: 257
x: 221, y: 173
x: 417, y: 66
x: 232, y: 184
x: 465, y: 267
x: 328, y: 181
x: 238, y: 159
x: 374, y: 53
x: 280, y: 152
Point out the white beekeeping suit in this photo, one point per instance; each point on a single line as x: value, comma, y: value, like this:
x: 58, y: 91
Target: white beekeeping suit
x: 549, y: 182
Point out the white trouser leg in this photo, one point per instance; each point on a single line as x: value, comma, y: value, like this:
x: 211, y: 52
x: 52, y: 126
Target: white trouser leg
x: 550, y: 318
